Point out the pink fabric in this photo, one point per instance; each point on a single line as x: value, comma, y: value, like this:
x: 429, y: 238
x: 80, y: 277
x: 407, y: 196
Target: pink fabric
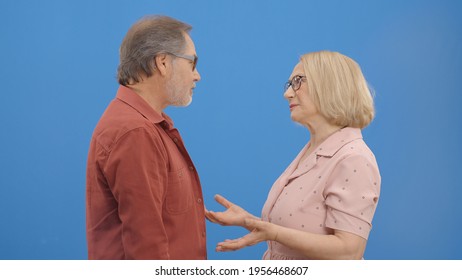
x: 336, y: 187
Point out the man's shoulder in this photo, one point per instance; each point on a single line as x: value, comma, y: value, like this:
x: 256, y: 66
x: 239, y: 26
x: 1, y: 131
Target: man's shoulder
x: 118, y: 120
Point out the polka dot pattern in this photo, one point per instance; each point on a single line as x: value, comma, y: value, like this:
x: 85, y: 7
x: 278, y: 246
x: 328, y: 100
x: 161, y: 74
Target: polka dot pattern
x: 337, y: 187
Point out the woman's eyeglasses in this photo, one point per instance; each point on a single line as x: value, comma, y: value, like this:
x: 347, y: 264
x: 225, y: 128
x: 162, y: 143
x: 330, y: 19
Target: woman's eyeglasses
x: 295, y: 83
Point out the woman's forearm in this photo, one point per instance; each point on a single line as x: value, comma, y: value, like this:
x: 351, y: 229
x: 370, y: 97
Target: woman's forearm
x: 341, y: 245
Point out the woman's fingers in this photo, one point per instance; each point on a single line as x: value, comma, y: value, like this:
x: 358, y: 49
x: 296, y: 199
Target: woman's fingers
x: 210, y: 217
x: 223, y: 201
x: 230, y: 245
x: 236, y: 244
x: 214, y: 217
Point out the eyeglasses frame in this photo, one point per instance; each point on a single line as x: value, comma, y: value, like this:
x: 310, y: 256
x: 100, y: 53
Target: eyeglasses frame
x: 192, y: 58
x: 291, y: 83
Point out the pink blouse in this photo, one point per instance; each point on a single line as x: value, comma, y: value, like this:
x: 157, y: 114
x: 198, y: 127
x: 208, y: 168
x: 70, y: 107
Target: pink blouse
x: 335, y: 187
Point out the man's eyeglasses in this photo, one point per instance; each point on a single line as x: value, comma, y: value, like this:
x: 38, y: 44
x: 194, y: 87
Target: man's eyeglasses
x: 295, y: 83
x: 192, y: 58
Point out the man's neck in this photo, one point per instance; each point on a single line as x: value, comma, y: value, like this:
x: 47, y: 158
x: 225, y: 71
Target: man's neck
x: 152, y: 93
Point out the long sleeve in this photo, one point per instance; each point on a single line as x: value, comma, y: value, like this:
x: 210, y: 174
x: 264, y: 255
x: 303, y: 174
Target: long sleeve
x: 137, y: 170
x: 143, y: 194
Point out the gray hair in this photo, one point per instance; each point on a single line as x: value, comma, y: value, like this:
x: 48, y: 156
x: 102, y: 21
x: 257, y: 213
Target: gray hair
x: 147, y: 38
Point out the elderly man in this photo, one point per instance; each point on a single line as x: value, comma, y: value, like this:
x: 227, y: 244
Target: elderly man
x: 144, y: 198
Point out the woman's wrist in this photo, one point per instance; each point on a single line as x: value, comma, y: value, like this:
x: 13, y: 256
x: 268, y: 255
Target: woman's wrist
x: 273, y: 232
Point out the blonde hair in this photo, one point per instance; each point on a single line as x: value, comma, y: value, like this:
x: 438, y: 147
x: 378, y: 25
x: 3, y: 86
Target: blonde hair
x: 338, y: 88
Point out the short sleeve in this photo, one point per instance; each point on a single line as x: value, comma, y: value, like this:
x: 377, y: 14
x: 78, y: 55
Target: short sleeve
x: 351, y: 195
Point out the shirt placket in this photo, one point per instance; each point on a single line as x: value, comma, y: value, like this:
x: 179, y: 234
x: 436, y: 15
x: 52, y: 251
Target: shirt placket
x: 175, y: 136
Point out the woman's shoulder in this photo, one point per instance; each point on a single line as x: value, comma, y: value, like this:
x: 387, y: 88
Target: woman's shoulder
x: 355, y: 148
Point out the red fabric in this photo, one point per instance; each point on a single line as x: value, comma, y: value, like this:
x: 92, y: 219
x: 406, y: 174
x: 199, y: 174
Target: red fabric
x: 144, y: 198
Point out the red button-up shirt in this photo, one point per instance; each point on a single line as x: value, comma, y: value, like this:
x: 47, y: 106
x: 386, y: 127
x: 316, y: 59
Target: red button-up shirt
x: 144, y: 198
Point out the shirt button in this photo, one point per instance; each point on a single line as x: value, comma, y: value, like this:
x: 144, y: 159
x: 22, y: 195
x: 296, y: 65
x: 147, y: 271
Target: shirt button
x: 191, y: 168
x: 175, y: 140
x: 199, y: 200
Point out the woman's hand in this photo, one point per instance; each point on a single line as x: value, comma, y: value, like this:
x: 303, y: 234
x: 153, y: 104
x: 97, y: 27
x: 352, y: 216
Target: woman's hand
x: 262, y: 231
x: 232, y: 216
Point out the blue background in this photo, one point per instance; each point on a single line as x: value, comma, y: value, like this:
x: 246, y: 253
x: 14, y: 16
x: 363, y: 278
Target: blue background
x: 57, y: 75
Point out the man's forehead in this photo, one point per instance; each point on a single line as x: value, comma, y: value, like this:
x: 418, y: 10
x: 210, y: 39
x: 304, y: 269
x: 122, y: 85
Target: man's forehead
x: 189, y: 44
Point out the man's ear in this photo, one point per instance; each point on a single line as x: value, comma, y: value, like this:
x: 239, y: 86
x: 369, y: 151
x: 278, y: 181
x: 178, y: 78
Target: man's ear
x: 161, y: 61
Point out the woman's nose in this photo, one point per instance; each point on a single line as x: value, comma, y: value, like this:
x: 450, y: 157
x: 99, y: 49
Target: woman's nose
x: 289, y: 93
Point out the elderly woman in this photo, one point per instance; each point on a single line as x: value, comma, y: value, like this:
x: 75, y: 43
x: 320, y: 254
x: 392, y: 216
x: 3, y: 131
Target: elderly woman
x: 322, y: 206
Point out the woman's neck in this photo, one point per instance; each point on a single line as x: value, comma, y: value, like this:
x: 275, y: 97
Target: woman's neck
x: 320, y: 132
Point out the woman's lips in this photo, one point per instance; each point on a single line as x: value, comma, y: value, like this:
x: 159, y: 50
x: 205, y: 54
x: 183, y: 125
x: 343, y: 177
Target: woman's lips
x: 291, y: 106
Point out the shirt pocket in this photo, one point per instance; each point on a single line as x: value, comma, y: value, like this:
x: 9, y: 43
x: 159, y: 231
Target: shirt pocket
x: 179, y: 194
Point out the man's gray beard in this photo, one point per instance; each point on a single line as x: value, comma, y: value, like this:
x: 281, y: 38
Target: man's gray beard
x: 175, y: 97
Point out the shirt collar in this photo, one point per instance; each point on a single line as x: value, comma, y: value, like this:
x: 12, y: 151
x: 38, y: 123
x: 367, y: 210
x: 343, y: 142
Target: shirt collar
x: 135, y: 101
x: 337, y: 140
